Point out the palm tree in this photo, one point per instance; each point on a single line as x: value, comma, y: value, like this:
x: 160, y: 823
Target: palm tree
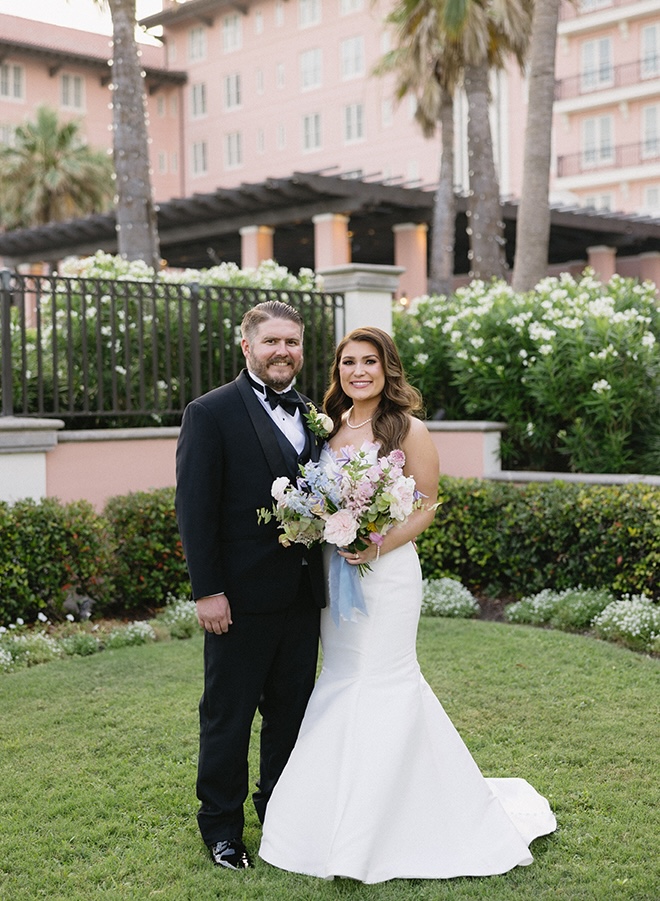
x: 444, y: 42
x: 533, y: 225
x: 137, y: 230
x: 49, y: 174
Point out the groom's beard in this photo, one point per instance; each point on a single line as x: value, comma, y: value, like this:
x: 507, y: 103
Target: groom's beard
x: 268, y: 373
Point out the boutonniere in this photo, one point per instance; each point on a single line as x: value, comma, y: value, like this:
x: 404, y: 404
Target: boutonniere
x: 317, y: 422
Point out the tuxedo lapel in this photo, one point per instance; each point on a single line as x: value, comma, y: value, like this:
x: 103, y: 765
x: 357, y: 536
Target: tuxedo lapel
x: 265, y: 433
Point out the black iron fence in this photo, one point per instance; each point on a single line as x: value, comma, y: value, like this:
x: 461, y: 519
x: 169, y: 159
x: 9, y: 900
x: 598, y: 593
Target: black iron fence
x: 111, y: 353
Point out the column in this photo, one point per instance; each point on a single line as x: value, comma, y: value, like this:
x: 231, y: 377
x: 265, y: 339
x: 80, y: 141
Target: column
x: 332, y: 246
x: 256, y: 245
x: 602, y: 260
x: 410, y: 253
x: 24, y: 443
x: 368, y: 294
x: 649, y: 267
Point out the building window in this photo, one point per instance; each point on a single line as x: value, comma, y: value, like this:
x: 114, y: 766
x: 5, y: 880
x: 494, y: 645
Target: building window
x: 174, y: 105
x: 279, y: 12
x: 353, y: 123
x: 346, y: 7
x: 7, y: 133
x: 352, y: 57
x: 651, y: 200
x: 200, y: 158
x: 310, y: 69
x: 174, y: 162
x: 232, y: 34
x: 196, y: 44
x: 162, y: 162
x: 597, y: 70
x: 597, y: 141
x: 281, y: 137
x: 261, y: 141
x: 312, y: 131
x: 650, y: 51
x: 260, y: 81
x: 171, y: 52
x: 232, y: 91
x: 599, y: 201
x: 309, y: 13
x: 651, y: 131
x: 71, y: 91
x: 387, y: 112
x: 233, y: 151
x: 279, y: 75
x: 258, y: 22
x: 160, y: 106
x: 198, y: 100
x: 11, y: 82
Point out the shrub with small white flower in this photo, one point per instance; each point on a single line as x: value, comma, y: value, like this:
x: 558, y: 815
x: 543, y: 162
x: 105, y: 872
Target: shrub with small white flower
x: 132, y: 634
x: 633, y: 621
x: 448, y: 597
x: 179, y: 616
x: 573, y: 368
x: 30, y: 648
x: 571, y: 610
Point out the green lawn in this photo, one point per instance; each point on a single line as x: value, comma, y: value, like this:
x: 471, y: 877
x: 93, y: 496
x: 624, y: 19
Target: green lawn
x: 97, y: 767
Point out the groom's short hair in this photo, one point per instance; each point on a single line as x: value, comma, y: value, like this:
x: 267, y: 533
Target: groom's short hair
x: 269, y: 309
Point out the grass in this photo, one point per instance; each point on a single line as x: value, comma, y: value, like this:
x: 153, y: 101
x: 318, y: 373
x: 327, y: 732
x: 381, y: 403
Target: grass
x: 98, y: 756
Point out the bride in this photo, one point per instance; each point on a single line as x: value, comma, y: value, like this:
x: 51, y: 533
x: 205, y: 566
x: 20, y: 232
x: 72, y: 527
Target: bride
x: 380, y: 785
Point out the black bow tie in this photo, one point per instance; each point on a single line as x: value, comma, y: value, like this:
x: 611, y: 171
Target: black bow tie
x: 289, y: 400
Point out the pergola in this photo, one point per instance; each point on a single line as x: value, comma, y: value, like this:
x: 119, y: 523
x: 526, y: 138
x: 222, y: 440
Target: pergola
x: 205, y: 229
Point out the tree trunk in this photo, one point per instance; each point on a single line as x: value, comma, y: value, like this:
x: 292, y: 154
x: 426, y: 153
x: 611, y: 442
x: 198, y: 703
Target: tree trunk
x: 441, y: 277
x: 533, y: 226
x: 137, y: 231
x: 486, y: 228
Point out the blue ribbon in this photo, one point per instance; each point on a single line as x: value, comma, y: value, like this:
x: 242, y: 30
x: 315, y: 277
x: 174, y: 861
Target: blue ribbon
x: 345, y: 590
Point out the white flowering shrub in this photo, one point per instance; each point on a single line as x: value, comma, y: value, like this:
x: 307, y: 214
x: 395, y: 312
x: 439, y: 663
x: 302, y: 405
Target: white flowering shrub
x: 572, y: 609
x: 179, y: 616
x: 447, y: 597
x: 572, y: 367
x: 21, y: 649
x: 132, y: 634
x: 634, y: 621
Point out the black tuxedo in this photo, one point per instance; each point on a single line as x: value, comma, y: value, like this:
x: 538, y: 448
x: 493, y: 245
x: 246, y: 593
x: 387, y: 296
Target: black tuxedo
x: 228, y: 454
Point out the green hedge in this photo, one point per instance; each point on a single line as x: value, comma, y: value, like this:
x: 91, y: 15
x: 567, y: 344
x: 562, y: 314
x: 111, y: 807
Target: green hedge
x: 503, y: 540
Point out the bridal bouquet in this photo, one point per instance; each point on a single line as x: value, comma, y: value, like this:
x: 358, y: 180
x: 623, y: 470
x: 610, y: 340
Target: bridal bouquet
x: 349, y: 500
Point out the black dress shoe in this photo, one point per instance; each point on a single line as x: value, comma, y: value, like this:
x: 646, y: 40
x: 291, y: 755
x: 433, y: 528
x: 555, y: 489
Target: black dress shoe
x: 231, y: 854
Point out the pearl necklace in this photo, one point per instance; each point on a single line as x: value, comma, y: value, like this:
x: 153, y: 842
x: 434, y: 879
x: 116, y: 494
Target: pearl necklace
x: 359, y: 425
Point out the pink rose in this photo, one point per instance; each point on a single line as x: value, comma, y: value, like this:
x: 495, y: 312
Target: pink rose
x: 340, y: 529
x: 403, y: 494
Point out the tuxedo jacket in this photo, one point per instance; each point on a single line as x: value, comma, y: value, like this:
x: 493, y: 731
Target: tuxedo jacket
x: 228, y: 454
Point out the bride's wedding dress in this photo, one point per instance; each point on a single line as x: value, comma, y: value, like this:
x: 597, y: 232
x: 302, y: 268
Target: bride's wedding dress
x: 380, y: 785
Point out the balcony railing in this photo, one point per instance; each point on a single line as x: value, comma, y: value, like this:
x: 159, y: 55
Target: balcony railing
x: 607, y: 77
x: 568, y: 11
x: 606, y: 157
x: 102, y: 353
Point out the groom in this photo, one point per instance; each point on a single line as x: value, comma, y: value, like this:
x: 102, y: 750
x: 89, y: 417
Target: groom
x: 257, y: 600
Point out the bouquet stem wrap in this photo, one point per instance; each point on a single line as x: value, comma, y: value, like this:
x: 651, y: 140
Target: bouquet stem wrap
x: 346, y: 596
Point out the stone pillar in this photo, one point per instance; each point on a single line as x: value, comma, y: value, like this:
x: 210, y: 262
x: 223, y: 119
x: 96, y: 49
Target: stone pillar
x: 410, y: 253
x: 332, y: 246
x: 368, y: 294
x: 256, y: 245
x: 24, y: 444
x: 649, y: 267
x: 602, y: 260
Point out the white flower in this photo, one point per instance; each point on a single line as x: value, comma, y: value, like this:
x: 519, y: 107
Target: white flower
x: 42, y: 617
x: 278, y: 488
x: 601, y: 386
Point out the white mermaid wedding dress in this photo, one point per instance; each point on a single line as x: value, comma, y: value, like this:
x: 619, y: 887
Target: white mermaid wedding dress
x: 380, y: 785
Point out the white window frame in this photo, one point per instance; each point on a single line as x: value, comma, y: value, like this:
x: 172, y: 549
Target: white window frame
x: 258, y: 22
x: 353, y: 117
x: 651, y: 200
x: 232, y: 91
x: 651, y: 131
x: 280, y: 80
x: 309, y: 13
x: 596, y: 69
x: 198, y: 105
x: 232, y: 33
x: 196, y: 44
x: 7, y: 134
x: 279, y: 13
x: 233, y: 150
x: 259, y: 77
x: 599, y: 201
x: 311, y: 132
x: 200, y: 158
x: 387, y: 112
x: 347, y: 7
x: 351, y: 53
x: 281, y: 137
x: 72, y: 91
x: 597, y: 141
x: 162, y: 162
x: 261, y: 141
x: 650, y: 51
x: 311, y: 63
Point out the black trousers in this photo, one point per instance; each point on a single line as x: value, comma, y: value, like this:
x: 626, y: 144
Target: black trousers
x: 265, y: 662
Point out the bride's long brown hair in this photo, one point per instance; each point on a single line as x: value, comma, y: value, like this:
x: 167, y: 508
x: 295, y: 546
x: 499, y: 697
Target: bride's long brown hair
x: 399, y: 400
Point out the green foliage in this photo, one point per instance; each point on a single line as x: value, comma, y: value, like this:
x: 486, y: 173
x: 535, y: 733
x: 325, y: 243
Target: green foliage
x: 573, y: 368
x: 148, y: 562
x: 50, y: 549
x: 502, y: 540
x: 572, y: 610
x: 179, y: 617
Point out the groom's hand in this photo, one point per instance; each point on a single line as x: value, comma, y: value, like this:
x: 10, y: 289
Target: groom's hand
x: 214, y: 613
